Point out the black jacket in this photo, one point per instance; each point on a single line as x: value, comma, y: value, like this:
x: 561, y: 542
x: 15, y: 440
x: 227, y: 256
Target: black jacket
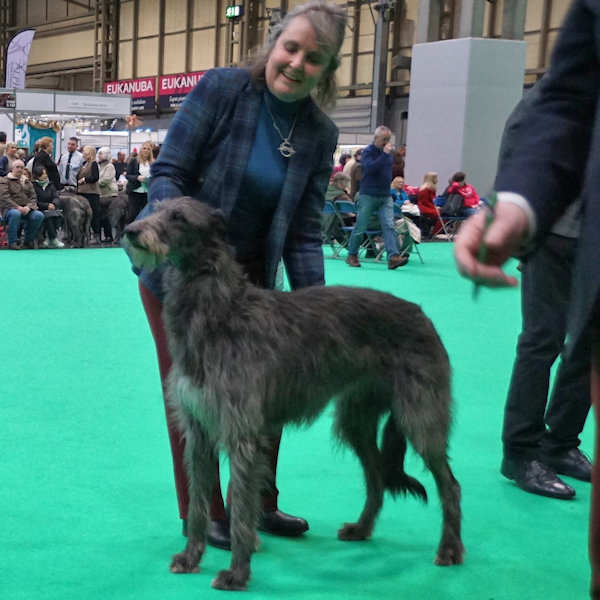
x: 43, y: 159
x: 45, y: 196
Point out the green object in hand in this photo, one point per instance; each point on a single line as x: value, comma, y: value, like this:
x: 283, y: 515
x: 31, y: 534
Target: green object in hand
x: 482, y: 255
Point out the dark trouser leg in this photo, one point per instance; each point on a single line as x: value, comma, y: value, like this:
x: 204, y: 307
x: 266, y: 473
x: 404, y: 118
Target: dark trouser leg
x: 94, y: 200
x: 135, y: 204
x: 595, y: 509
x: 153, y: 309
x: 570, y: 400
x: 50, y: 225
x: 544, y: 299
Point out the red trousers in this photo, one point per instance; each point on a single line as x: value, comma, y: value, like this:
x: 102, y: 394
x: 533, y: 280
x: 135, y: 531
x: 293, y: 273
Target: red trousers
x: 153, y: 307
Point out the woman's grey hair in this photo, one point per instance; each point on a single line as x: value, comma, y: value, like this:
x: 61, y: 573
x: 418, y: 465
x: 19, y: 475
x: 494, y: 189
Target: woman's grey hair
x: 106, y: 153
x: 329, y: 23
x: 341, y: 179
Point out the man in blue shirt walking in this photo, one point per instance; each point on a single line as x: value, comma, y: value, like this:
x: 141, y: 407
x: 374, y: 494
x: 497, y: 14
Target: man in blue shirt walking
x: 375, y: 196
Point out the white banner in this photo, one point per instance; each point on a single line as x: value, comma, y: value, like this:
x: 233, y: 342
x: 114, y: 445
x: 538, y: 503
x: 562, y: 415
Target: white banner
x: 17, y: 56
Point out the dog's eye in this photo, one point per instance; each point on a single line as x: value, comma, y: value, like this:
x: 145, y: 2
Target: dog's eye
x: 178, y: 216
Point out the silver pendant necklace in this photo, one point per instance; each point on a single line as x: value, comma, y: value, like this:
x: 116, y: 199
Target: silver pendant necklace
x: 286, y: 148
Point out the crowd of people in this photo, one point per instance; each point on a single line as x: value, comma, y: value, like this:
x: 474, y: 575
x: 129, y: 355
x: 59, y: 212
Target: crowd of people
x: 30, y: 185
x: 425, y: 209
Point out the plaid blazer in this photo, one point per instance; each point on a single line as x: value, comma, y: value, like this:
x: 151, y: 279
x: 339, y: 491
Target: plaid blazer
x: 205, y: 153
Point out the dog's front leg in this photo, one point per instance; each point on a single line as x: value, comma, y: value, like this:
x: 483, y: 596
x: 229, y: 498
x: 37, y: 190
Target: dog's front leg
x: 201, y: 458
x: 245, y: 461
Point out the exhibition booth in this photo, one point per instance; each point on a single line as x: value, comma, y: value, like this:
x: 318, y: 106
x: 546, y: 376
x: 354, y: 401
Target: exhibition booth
x: 27, y: 115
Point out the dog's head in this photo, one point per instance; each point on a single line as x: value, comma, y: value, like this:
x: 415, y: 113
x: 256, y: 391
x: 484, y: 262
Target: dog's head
x: 182, y: 230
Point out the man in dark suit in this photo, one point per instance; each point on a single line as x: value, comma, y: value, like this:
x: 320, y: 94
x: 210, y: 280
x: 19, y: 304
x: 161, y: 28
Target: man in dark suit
x: 540, y: 434
x: 556, y: 159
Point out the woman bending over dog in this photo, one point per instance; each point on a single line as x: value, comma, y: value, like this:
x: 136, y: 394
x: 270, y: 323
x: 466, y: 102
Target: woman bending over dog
x: 258, y: 147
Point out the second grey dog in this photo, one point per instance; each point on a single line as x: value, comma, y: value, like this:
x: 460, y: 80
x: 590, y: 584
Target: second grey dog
x: 114, y: 208
x: 77, y: 214
x: 246, y: 361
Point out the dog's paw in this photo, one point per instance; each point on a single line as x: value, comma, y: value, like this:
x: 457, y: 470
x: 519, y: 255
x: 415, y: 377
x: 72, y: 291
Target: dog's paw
x: 352, y: 532
x: 184, y: 563
x: 229, y: 579
x: 450, y: 554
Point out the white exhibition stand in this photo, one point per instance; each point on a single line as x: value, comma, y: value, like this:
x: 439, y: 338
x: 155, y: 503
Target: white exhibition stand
x: 68, y: 107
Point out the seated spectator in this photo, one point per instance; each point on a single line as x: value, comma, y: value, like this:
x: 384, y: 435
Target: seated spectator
x: 344, y: 158
x: 46, y: 197
x: 458, y: 185
x: 356, y: 174
x: 7, y: 159
x: 336, y: 190
x: 429, y: 214
x: 18, y: 203
x: 397, y: 190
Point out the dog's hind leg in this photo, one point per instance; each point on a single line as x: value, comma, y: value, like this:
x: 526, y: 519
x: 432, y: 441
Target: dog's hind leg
x: 201, y: 458
x: 356, y: 424
x: 247, y: 468
x: 427, y: 430
x: 451, y: 549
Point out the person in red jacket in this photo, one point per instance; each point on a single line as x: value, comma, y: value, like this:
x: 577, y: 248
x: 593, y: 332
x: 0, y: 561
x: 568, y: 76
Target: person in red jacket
x: 459, y: 185
x: 429, y: 214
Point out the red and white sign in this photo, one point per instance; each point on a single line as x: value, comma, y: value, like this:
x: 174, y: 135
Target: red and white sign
x: 172, y: 89
x: 142, y: 91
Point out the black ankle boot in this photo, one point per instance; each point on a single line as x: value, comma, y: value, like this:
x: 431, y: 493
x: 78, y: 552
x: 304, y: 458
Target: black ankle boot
x: 276, y: 522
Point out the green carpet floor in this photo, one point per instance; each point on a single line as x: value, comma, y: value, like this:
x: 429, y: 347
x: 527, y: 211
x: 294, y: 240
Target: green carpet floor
x: 87, y: 504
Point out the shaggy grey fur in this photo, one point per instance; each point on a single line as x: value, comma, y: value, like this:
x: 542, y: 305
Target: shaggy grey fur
x: 114, y: 208
x: 77, y: 214
x: 246, y: 361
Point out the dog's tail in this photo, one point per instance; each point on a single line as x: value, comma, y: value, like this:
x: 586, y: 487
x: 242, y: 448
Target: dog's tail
x: 393, y: 450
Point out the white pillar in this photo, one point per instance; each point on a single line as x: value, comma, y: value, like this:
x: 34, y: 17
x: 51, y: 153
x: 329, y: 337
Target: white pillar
x: 461, y: 93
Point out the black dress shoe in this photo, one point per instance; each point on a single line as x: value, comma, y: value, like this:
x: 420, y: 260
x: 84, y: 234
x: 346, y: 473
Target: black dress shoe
x: 536, y: 478
x: 217, y: 535
x: 280, y: 523
x: 572, y: 464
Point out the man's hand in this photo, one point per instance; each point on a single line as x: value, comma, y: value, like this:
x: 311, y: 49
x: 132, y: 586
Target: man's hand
x: 23, y: 209
x: 501, y: 240
x: 388, y: 148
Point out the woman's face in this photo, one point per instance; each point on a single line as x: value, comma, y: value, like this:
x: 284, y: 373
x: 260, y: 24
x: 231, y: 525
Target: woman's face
x: 43, y: 176
x: 296, y: 62
x: 145, y: 152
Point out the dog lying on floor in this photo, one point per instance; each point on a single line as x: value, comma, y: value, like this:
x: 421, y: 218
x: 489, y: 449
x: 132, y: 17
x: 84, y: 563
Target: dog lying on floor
x: 246, y: 361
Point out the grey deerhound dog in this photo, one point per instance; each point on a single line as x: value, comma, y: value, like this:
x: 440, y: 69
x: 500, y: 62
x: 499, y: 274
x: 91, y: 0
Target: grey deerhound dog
x: 246, y: 361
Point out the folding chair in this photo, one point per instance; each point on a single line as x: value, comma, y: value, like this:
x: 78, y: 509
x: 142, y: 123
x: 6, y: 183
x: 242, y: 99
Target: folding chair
x: 330, y: 214
x: 344, y: 206
x: 414, y: 248
x: 450, y: 225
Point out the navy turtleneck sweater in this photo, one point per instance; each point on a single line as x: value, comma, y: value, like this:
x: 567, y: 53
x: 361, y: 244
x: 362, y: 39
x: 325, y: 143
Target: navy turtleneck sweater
x: 251, y: 217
